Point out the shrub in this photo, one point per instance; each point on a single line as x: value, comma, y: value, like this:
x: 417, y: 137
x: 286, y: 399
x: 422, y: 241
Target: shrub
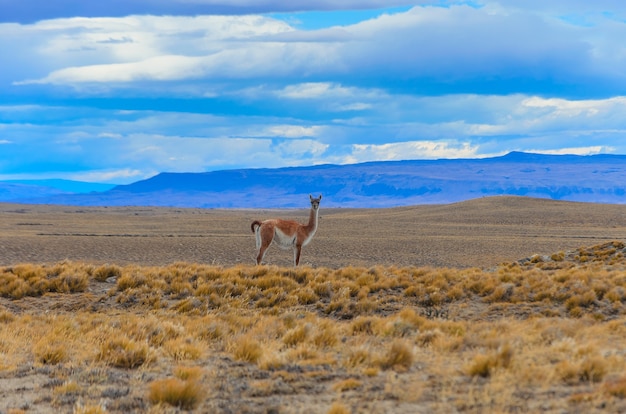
x: 326, y: 337
x: 247, y: 349
x: 296, y: 335
x: 616, y: 388
x: 188, y: 373
x: 399, y: 357
x: 70, y: 283
x: 347, y: 385
x: 50, y: 352
x: 591, y: 369
x: 185, y: 395
x: 123, y: 353
x: 338, y: 408
x: 181, y: 349
x: 485, y: 365
x: 102, y: 273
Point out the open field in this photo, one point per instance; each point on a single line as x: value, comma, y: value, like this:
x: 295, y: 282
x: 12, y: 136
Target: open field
x: 481, y: 233
x: 421, y: 309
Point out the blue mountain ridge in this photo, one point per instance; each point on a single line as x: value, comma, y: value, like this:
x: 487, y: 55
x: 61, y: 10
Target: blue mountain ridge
x: 595, y: 178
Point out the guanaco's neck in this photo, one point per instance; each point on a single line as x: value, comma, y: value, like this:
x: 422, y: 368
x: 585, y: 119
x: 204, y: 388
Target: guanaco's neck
x: 312, y: 225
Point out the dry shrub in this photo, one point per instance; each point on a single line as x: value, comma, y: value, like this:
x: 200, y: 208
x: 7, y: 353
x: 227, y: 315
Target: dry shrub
x: 183, y: 394
x: 296, y: 335
x: 69, y: 282
x: 399, y: 357
x: 181, y: 349
x: 50, y: 350
x: 502, y: 293
x: 327, y: 335
x: 584, y: 300
x: 6, y: 316
x: 247, y: 349
x: 338, y: 408
x: 616, y: 294
x: 590, y: 369
x: 102, y: 273
x: 616, y: 388
x: 131, y: 280
x: 68, y: 388
x: 593, y: 369
x: 363, y: 325
x: 123, y: 353
x: 357, y: 357
x: 191, y: 305
x: 347, y: 385
x: 307, y: 296
x: 87, y: 409
x: 11, y: 286
x: 485, y: 365
x: 188, y: 373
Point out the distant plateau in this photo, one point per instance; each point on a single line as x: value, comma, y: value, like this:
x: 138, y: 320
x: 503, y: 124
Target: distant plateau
x: 594, y: 178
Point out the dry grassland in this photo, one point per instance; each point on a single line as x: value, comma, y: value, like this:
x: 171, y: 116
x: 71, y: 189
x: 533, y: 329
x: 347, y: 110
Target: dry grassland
x: 160, y: 310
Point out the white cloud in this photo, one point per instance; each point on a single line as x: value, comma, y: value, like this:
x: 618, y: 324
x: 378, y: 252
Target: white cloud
x: 411, y: 45
x: 313, y: 90
x: 301, y: 151
x: 576, y: 151
x: 412, y: 150
x: 292, y: 131
x: 125, y: 175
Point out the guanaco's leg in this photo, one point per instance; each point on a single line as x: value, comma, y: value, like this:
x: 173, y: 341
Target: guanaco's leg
x: 266, y: 235
x: 296, y: 254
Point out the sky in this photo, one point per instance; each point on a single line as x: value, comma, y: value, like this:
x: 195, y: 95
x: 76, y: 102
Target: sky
x: 117, y: 91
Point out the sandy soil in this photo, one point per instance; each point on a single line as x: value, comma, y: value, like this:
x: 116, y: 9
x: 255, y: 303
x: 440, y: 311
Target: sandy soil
x: 478, y: 233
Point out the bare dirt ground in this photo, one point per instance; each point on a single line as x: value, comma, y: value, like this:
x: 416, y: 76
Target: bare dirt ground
x: 478, y: 233
x: 482, y: 234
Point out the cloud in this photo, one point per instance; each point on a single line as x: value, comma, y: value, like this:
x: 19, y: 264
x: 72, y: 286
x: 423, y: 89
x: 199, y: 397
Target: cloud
x: 490, y: 50
x: 576, y: 151
x: 311, y: 90
x: 28, y: 11
x: 412, y: 150
x: 293, y: 131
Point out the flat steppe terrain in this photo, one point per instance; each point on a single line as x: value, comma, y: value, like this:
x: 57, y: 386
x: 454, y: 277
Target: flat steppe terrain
x: 500, y: 305
x: 477, y: 233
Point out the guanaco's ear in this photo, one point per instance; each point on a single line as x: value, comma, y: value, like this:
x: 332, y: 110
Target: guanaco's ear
x: 320, y: 196
x: 310, y: 197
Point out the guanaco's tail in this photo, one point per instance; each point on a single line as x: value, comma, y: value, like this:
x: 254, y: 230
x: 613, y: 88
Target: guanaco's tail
x: 255, y: 223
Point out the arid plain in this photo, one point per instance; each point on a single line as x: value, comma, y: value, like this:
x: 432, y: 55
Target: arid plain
x: 502, y: 304
x: 482, y: 232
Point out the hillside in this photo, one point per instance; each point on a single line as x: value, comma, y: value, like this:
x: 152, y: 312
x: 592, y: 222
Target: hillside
x: 597, y: 178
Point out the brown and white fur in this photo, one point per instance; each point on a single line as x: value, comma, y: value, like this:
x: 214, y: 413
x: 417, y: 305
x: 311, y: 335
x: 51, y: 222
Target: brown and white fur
x: 286, y: 234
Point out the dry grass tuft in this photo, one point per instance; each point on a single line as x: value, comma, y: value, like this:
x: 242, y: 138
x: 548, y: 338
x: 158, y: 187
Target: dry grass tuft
x: 347, y: 385
x: 183, y: 394
x: 338, y: 408
x: 398, y: 357
x: 50, y: 351
x: 247, y: 349
x: 123, y: 353
x: 486, y: 365
x: 617, y: 387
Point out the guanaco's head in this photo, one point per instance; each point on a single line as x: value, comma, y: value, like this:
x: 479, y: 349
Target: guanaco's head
x: 315, y: 202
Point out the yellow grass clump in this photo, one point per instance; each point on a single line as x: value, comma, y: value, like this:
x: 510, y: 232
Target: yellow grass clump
x: 183, y: 394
